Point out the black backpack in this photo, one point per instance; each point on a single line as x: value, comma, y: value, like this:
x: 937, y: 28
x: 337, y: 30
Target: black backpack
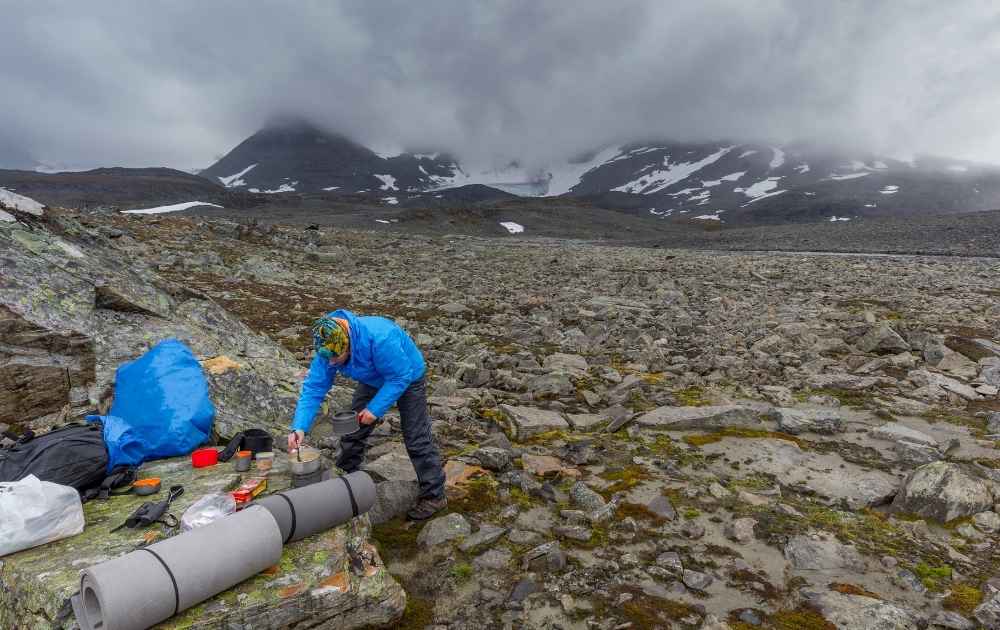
x: 74, y: 455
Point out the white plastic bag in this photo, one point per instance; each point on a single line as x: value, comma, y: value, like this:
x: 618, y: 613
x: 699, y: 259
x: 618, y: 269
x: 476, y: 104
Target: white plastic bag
x: 35, y: 512
x: 207, y: 509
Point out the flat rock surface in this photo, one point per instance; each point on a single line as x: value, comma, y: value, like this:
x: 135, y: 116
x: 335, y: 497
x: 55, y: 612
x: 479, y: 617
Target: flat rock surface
x: 337, y: 574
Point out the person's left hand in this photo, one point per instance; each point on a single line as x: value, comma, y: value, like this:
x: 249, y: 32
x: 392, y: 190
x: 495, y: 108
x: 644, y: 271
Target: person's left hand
x: 366, y: 417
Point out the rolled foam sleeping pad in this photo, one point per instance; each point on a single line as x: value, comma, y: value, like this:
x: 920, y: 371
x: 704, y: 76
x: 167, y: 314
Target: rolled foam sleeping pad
x: 152, y: 584
x: 318, y: 507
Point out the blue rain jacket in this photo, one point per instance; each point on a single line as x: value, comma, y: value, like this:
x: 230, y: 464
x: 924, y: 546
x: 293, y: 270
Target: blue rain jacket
x: 382, y: 356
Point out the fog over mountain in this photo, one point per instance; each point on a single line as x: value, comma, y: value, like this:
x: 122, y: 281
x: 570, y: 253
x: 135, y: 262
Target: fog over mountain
x: 180, y: 83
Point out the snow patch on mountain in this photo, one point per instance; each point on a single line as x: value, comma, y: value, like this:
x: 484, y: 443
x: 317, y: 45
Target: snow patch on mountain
x: 513, y: 228
x: 732, y: 177
x: 283, y: 188
x: 835, y: 218
x: 392, y: 201
x: 778, y: 159
x: 758, y: 189
x: 329, y: 188
x: 890, y: 190
x: 15, y: 201
x: 764, y: 196
x: 388, y: 182
x: 426, y: 156
x: 841, y: 178
x: 566, y: 176
x: 710, y: 217
x: 747, y: 153
x: 657, y: 180
x: 802, y: 168
x: 177, y: 207
x: 236, y: 180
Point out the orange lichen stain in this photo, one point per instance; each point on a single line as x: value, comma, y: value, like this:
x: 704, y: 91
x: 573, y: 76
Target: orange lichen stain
x: 339, y: 581
x: 291, y: 591
x: 271, y: 570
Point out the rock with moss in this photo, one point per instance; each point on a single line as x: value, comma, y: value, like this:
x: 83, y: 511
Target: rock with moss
x: 335, y: 577
x: 822, y: 553
x: 943, y: 491
x: 443, y: 529
x: 79, y: 306
x: 796, y: 421
x: 702, y: 417
x: 851, y: 612
x: 525, y: 422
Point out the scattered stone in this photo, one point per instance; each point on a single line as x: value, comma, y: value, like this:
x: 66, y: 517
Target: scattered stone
x: 951, y: 620
x: 702, y: 418
x: 442, y: 529
x: 988, y: 521
x: 523, y: 537
x: 857, y: 611
x: 671, y: 561
x: 693, y: 530
x: 576, y: 532
x: 542, y: 465
x: 820, y: 553
x: 795, y: 421
x: 493, y: 458
x: 894, y: 432
x: 392, y: 499
x: 521, y: 590
x: 662, y: 507
x: 943, y: 491
x: 988, y: 613
x: 526, y: 422
x: 487, y: 535
x: 882, y: 339
x: 741, y: 530
x: 496, y: 558
x: 696, y: 580
x: 583, y: 496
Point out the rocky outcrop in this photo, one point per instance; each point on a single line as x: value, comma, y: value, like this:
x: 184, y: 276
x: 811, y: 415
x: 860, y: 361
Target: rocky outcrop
x: 943, y: 491
x: 74, y: 306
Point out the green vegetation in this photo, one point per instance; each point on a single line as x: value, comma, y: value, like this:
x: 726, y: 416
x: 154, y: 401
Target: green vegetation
x: 934, y: 578
x: 692, y: 396
x: 963, y: 599
x: 624, y: 479
x: 702, y: 439
x: 461, y: 571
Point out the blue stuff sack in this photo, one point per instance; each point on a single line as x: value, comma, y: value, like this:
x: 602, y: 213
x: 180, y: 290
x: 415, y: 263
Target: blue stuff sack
x: 161, y: 407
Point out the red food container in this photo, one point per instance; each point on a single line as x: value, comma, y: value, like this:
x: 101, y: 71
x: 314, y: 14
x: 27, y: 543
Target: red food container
x: 204, y: 457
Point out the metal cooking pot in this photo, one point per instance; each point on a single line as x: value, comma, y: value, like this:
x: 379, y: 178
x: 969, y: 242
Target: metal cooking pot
x: 345, y: 422
x: 310, y: 461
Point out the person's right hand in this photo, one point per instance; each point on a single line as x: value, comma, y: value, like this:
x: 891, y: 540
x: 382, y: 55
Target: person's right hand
x: 295, y: 439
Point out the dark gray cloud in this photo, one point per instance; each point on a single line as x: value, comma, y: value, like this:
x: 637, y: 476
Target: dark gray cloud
x: 180, y: 82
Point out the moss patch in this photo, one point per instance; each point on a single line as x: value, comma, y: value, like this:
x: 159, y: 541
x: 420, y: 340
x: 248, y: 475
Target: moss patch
x: 624, y: 479
x: 461, y: 571
x: 481, y: 496
x: 692, y: 396
x: 852, y: 589
x: 934, y: 578
x: 963, y: 599
x: 702, y: 439
x: 800, y: 619
x: 396, y: 538
x: 639, y: 512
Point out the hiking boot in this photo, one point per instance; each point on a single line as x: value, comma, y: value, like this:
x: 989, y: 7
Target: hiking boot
x: 426, y: 508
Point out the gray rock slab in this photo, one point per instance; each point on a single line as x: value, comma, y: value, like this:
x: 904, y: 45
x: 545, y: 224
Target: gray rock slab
x: 701, y: 418
x: 443, y: 529
x: 821, y: 553
x: 393, y: 466
x: 894, y: 431
x: 525, y: 422
x: 392, y: 499
x: 826, y: 474
x: 795, y: 421
x: 487, y: 535
x: 853, y: 612
x: 943, y: 491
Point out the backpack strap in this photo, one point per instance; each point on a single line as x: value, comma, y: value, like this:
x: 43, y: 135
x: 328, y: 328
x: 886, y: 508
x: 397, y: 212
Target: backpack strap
x: 120, y: 476
x: 234, y: 445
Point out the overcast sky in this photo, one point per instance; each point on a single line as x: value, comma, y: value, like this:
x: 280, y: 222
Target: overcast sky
x: 179, y: 82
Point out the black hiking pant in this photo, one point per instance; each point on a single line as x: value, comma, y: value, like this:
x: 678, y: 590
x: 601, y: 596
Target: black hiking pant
x: 416, y: 435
